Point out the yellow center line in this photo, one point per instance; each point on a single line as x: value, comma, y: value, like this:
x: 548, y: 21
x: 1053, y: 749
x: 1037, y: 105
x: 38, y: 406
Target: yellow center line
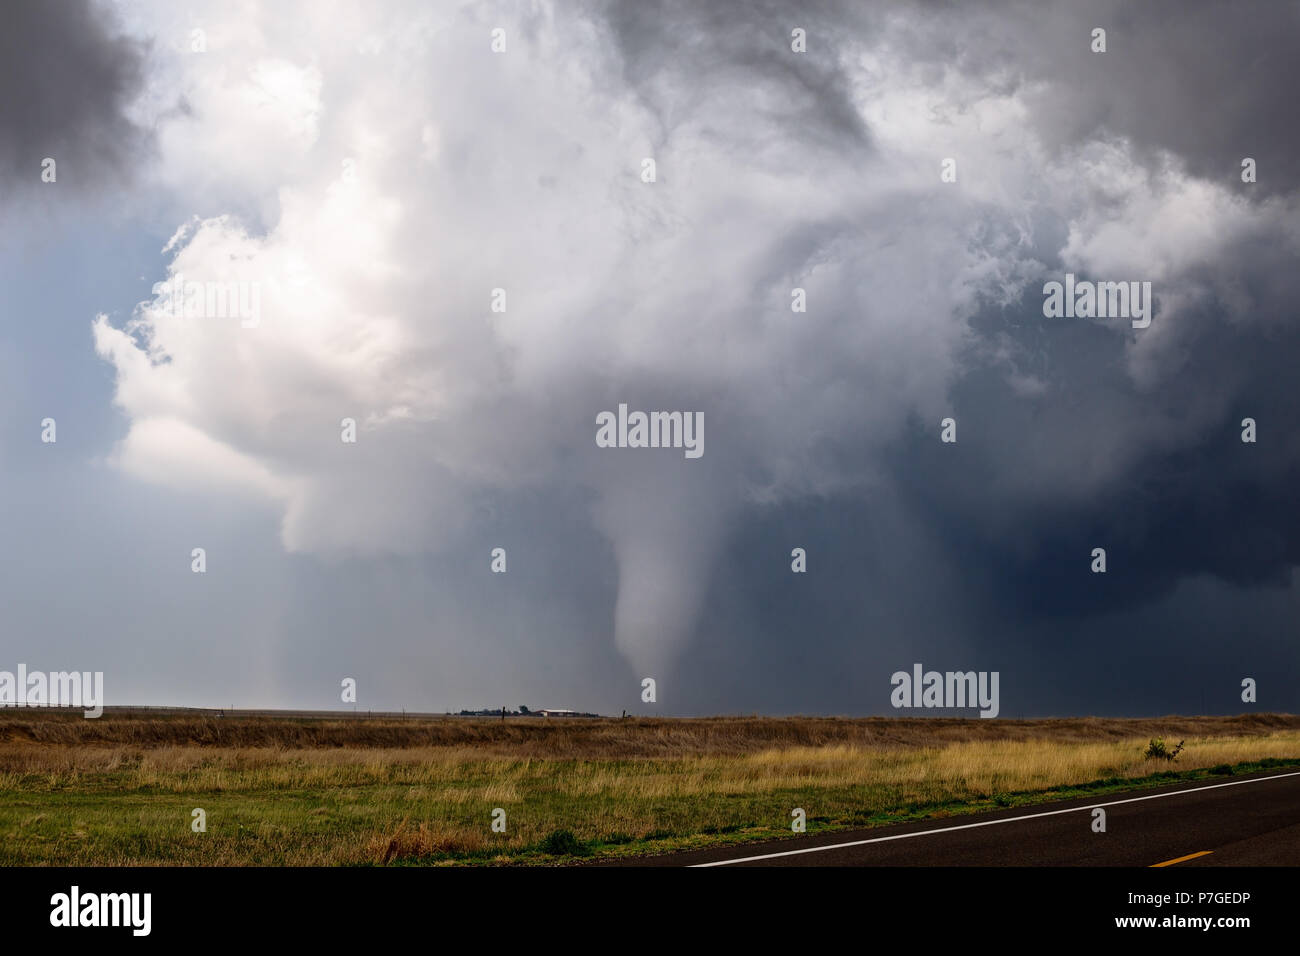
x: 1190, y: 856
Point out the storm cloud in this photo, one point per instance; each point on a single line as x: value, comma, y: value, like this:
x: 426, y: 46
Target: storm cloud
x: 68, y: 79
x: 379, y: 178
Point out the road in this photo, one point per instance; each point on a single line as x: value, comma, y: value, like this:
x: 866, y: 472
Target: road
x: 1249, y: 820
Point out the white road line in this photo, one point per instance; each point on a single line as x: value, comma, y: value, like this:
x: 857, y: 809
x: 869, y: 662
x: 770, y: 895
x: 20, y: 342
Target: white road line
x: 990, y: 823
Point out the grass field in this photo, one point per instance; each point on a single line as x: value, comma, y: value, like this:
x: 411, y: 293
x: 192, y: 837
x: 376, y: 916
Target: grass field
x: 120, y: 790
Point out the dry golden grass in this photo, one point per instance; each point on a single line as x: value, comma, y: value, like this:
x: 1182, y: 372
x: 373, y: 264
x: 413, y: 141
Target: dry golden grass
x: 578, y: 738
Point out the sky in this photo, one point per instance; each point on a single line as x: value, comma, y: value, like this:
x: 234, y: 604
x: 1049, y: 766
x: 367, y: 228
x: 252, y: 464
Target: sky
x: 443, y: 227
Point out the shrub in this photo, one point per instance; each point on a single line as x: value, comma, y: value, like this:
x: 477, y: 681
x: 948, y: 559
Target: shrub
x: 1157, y: 749
x: 564, y: 843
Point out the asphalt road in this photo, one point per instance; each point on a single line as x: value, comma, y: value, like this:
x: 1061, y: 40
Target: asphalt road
x: 1250, y: 820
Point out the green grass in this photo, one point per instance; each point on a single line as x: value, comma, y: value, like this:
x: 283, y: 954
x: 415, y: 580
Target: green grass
x: 106, y: 818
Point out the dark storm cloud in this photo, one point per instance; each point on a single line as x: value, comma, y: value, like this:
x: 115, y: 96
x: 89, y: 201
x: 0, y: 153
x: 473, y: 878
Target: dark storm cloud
x: 1154, y: 471
x: 1210, y: 505
x: 887, y: 586
x: 676, y: 53
x: 979, y: 553
x: 1211, y: 82
x: 66, y: 80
